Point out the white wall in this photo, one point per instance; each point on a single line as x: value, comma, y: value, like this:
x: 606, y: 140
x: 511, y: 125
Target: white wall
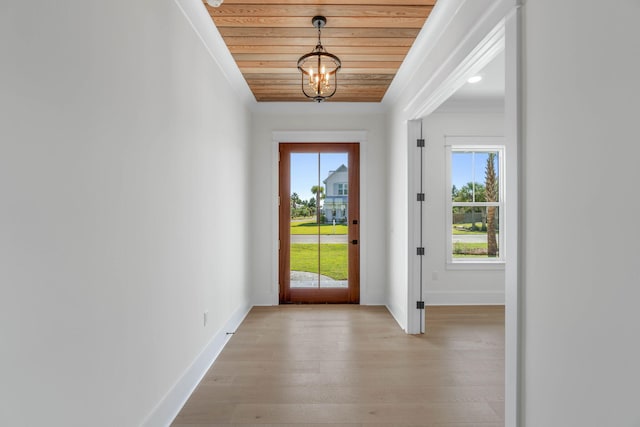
x: 373, y: 201
x: 581, y: 151
x: 116, y: 128
x: 453, y: 31
x: 397, y: 221
x: 442, y: 284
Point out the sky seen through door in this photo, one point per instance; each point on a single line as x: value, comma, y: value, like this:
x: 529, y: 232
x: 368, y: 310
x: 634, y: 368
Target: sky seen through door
x: 304, y: 171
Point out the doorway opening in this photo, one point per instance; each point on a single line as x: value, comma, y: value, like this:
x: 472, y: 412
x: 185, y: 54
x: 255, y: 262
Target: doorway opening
x: 319, y: 212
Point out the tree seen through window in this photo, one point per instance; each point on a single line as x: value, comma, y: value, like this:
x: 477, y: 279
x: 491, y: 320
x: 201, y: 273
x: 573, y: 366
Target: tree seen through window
x: 475, y: 204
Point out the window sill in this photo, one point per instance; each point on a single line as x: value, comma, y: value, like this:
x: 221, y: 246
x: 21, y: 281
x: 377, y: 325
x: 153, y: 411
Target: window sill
x: 475, y: 265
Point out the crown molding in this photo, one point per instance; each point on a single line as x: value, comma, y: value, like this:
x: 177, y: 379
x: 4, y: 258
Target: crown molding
x: 432, y: 94
x: 434, y: 29
x: 323, y: 108
x: 463, y: 36
x: 196, y: 14
x: 484, y: 105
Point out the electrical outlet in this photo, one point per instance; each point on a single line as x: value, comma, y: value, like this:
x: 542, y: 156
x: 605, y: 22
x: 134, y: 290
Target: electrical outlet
x: 205, y: 317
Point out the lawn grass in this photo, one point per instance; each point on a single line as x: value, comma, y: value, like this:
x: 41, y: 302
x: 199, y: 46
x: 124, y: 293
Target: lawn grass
x: 333, y: 259
x: 311, y: 227
x: 469, y: 250
x: 457, y: 231
x: 466, y: 229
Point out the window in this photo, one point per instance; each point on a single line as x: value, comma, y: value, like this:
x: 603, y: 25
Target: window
x: 342, y: 189
x: 475, y: 205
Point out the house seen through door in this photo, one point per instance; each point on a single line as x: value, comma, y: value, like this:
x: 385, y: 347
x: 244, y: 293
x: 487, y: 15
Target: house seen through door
x: 319, y: 223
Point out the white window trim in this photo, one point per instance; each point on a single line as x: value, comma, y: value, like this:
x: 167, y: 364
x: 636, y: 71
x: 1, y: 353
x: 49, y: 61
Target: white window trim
x: 475, y: 143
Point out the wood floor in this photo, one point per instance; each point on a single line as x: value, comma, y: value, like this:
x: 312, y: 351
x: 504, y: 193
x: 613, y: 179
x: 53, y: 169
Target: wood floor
x: 350, y: 365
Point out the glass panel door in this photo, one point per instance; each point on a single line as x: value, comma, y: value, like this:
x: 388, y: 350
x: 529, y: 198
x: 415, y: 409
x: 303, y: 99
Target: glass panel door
x: 320, y: 256
x: 319, y: 220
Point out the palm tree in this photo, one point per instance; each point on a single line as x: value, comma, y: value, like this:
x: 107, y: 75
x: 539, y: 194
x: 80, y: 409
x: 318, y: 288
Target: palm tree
x: 318, y: 191
x: 295, y: 200
x: 311, y: 204
x: 491, y: 192
x: 294, y: 203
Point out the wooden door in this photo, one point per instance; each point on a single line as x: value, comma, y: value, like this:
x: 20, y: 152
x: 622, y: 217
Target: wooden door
x: 319, y: 236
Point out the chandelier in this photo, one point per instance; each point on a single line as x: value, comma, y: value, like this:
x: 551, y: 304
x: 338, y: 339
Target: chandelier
x: 319, y: 69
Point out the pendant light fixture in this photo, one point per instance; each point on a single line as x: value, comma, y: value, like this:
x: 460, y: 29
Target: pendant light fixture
x: 319, y: 69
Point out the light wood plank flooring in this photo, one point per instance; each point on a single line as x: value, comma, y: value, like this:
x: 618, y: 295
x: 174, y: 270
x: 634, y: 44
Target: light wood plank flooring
x: 350, y: 365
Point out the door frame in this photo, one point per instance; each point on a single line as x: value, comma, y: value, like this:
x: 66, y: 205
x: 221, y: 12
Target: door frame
x: 501, y: 24
x: 350, y: 295
x: 329, y: 136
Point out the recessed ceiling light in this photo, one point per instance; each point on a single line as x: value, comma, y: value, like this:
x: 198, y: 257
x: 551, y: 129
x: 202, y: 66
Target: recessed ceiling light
x: 214, y: 3
x: 474, y: 79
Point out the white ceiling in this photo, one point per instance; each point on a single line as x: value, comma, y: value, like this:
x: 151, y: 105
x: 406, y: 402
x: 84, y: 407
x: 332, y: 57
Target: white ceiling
x: 487, y: 94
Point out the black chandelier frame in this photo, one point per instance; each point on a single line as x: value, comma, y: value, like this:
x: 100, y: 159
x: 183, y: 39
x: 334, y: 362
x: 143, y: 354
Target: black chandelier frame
x: 320, y: 53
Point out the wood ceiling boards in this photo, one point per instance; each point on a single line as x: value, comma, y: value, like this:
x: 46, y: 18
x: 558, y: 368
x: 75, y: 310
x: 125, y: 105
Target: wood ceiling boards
x: 371, y: 37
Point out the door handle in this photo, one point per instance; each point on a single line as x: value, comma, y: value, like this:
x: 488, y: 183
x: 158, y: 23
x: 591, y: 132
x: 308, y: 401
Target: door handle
x: 354, y: 242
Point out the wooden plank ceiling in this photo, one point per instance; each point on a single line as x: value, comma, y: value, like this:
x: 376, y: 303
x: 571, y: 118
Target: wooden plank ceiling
x: 371, y: 37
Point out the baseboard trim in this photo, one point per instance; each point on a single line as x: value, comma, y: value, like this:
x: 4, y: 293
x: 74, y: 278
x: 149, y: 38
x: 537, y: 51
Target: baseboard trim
x: 395, y: 317
x: 165, y: 412
x: 464, y: 298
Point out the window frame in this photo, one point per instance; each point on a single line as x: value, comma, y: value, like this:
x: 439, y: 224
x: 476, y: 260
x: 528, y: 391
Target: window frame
x: 484, y: 145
